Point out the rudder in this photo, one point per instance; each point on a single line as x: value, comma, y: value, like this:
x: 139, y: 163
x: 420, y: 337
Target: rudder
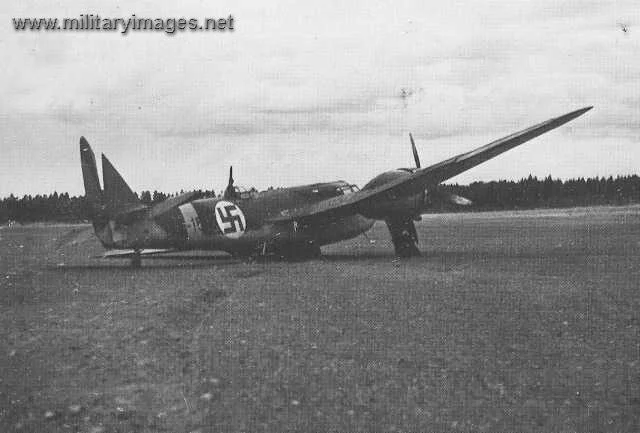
x: 94, y: 194
x: 118, y: 196
x: 92, y: 189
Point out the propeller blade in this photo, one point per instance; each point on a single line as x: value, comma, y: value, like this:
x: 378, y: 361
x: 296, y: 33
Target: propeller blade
x: 230, y: 191
x: 415, y: 151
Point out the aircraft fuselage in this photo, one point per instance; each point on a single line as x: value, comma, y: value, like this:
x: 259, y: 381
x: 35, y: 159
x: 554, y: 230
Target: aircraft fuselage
x: 240, y: 226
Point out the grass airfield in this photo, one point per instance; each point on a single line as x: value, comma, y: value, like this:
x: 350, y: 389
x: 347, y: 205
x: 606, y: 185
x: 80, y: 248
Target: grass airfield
x: 511, y: 321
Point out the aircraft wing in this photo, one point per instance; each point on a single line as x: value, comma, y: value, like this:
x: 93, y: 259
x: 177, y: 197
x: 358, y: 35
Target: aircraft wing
x: 426, y: 177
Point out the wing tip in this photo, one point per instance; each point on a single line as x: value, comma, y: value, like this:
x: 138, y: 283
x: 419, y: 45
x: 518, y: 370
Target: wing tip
x: 581, y: 111
x: 570, y: 116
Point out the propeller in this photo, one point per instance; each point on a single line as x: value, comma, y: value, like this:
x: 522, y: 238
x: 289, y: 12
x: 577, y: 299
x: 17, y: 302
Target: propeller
x: 415, y: 151
x: 230, y: 192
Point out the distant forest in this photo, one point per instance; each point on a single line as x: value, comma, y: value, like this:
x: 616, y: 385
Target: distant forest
x: 527, y: 193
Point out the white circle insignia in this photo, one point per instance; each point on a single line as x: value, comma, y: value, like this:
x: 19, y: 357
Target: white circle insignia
x: 230, y: 219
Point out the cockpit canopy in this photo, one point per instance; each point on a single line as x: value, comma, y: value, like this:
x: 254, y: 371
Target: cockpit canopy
x: 334, y: 188
x: 323, y: 190
x: 348, y: 188
x: 245, y: 193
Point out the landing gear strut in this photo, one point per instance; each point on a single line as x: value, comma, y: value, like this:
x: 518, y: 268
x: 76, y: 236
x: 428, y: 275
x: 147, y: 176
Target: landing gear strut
x: 404, y: 236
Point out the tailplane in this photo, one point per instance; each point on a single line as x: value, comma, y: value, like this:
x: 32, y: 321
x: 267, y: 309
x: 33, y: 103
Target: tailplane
x: 114, y: 205
x: 94, y: 194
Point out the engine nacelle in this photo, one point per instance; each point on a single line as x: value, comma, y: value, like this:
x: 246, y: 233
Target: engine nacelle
x: 393, y: 204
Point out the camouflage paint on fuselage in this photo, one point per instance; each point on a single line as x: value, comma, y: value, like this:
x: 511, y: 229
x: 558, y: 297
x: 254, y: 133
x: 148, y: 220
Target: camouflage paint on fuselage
x: 242, y: 226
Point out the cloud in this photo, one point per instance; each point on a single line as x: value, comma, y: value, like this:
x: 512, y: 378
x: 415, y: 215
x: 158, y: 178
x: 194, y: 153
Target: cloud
x: 299, y: 84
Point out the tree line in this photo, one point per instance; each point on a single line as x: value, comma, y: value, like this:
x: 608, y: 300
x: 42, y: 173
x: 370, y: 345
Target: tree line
x: 531, y: 192
x: 527, y: 193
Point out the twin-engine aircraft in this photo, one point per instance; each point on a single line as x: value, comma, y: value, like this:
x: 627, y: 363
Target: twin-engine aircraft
x: 291, y: 223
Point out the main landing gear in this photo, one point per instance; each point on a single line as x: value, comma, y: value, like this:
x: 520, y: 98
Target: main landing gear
x: 404, y: 236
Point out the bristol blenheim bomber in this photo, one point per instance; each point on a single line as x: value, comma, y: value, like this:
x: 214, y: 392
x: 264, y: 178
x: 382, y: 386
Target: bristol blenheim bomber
x: 287, y: 222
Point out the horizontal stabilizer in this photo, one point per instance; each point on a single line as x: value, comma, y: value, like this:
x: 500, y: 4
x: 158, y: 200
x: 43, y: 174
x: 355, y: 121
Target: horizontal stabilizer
x: 130, y: 214
x: 127, y: 254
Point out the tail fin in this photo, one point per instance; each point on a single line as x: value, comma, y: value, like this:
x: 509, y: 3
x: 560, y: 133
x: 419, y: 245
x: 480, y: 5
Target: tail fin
x: 118, y: 197
x: 93, y: 192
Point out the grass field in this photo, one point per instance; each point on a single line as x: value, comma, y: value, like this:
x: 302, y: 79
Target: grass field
x: 521, y: 321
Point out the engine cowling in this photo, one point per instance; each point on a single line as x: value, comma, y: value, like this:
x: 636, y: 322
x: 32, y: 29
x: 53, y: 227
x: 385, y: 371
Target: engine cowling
x: 408, y: 206
x: 393, y: 204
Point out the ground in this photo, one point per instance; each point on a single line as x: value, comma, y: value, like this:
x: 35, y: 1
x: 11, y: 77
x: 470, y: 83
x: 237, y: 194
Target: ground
x: 521, y: 321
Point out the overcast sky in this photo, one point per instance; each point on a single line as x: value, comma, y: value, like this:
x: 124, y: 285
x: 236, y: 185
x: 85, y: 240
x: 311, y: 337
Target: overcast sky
x: 302, y: 93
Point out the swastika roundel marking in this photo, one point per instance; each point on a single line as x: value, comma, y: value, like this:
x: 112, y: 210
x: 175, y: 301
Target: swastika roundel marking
x: 230, y: 219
